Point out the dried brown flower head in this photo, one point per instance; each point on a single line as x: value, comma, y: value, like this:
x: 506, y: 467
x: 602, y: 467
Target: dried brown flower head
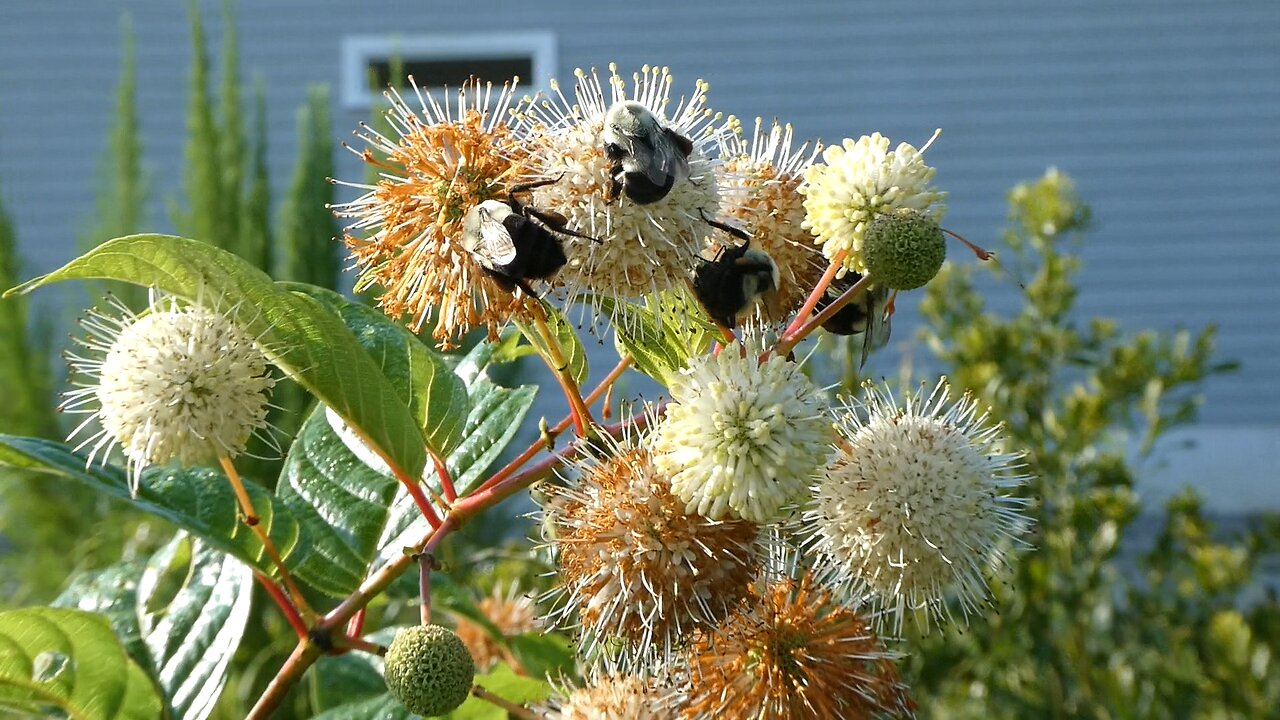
x: 792, y: 651
x: 406, y: 230
x: 637, y: 571
x: 511, y: 613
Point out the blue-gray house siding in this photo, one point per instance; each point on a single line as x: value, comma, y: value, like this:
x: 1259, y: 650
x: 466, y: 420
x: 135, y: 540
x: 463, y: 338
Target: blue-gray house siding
x: 1165, y: 112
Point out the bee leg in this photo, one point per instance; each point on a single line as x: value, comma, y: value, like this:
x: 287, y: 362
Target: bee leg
x: 735, y: 232
x: 524, y: 286
x: 615, y: 189
x: 526, y: 187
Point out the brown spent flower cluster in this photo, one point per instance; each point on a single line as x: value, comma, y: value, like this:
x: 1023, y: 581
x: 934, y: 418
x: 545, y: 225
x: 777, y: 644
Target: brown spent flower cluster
x: 434, y: 172
x: 511, y: 613
x: 792, y: 651
x: 635, y: 567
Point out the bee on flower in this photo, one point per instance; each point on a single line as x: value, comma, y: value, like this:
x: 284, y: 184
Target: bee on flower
x: 635, y: 173
x: 408, y: 231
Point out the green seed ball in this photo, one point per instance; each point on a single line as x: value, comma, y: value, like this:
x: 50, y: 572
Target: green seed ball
x: 903, y: 249
x: 429, y: 670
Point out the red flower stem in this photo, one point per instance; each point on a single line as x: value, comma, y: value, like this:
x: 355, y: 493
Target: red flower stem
x: 554, y: 358
x: 446, y: 481
x: 538, y: 445
x: 268, y: 546
x: 348, y: 642
x: 791, y: 339
x: 303, y: 656
x: 426, y: 564
x: 277, y: 594
x: 812, y: 301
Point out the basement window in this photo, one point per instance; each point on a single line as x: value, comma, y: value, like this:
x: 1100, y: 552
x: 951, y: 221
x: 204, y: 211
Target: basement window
x: 439, y: 61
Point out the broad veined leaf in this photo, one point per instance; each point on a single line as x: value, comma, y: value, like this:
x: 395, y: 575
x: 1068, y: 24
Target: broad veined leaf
x: 58, y: 661
x: 496, y: 414
x: 660, y: 337
x: 568, y: 344
x: 343, y: 497
x: 298, y: 333
x: 193, y: 604
x: 113, y: 593
x: 198, y: 500
x: 436, y: 397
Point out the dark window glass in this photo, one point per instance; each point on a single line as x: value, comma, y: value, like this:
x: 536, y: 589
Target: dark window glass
x: 431, y: 73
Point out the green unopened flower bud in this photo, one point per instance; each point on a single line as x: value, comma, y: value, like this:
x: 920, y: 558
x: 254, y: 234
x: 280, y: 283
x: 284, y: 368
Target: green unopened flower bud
x: 429, y: 670
x: 904, y: 249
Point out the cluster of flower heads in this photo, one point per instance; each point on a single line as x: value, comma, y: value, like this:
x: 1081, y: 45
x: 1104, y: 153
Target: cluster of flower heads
x: 755, y: 548
x: 636, y: 191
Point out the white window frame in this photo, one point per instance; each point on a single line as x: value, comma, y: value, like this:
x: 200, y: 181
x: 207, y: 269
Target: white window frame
x: 358, y: 50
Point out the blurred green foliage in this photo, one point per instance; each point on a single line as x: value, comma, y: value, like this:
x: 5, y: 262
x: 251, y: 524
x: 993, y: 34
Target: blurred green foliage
x: 1094, y: 622
x: 226, y: 201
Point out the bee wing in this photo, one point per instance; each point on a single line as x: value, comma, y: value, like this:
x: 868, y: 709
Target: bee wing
x: 656, y: 154
x: 879, y: 322
x: 495, y: 247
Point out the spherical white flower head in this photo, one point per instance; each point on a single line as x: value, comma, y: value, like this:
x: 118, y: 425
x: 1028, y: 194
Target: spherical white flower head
x: 635, y: 571
x: 742, y: 438
x: 642, y: 248
x: 858, y: 181
x: 177, y: 383
x: 759, y: 178
x: 916, y: 505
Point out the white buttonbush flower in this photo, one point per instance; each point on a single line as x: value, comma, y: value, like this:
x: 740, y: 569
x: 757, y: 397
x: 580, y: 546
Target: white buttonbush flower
x: 917, y: 504
x: 177, y: 382
x: 742, y: 438
x: 858, y: 181
x: 643, y: 248
x: 613, y: 697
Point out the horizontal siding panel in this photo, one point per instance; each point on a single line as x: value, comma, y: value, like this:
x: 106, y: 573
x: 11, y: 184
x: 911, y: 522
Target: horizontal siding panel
x: 1164, y: 112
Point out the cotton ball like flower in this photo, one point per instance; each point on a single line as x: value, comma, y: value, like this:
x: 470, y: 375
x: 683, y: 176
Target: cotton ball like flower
x: 857, y: 182
x: 742, y: 438
x: 429, y: 670
x: 178, y: 383
x: 917, y: 505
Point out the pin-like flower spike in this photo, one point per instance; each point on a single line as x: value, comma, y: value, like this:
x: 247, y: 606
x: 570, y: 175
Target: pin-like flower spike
x: 759, y: 178
x: 637, y: 571
x: 509, y: 612
x: 634, y: 173
x: 858, y: 181
x: 175, y: 383
x: 406, y: 231
x: 917, y: 506
x: 792, y: 651
x: 742, y: 438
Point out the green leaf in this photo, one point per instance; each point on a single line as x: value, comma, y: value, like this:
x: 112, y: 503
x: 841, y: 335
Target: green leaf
x: 193, y: 605
x: 660, y: 338
x: 69, y: 661
x: 341, y: 500
x: 496, y: 414
x: 113, y: 593
x: 296, y: 332
x: 570, y: 346
x: 198, y: 500
x: 544, y: 654
x: 436, y: 397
